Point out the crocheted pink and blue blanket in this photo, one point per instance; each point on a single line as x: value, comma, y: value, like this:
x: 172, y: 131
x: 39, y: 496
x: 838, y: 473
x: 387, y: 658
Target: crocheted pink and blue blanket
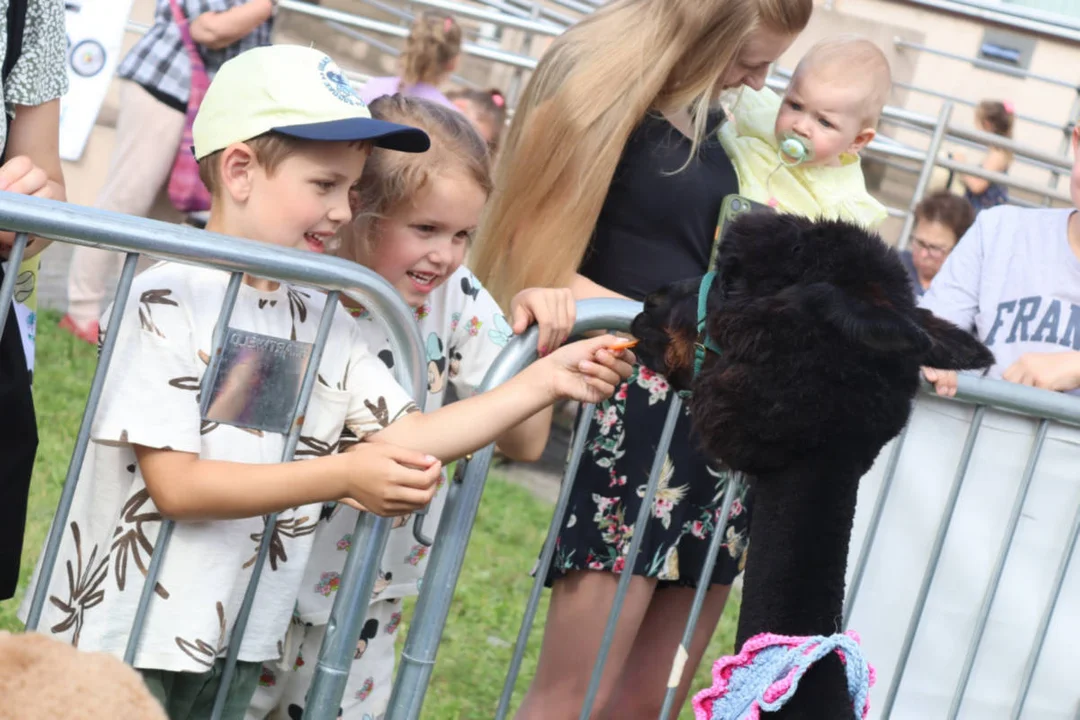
x: 765, y: 675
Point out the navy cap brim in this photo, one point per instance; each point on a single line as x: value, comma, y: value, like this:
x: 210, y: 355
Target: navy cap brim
x: 383, y: 134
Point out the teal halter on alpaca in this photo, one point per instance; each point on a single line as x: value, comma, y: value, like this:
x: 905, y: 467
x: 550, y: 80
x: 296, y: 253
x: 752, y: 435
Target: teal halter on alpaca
x: 704, y: 343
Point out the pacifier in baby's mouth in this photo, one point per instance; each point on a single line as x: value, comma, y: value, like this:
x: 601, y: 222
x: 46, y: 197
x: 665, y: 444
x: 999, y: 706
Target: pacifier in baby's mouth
x: 794, y: 150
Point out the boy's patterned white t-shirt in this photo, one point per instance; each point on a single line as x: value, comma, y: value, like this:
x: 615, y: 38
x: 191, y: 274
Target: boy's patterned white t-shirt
x: 151, y: 399
x: 463, y: 330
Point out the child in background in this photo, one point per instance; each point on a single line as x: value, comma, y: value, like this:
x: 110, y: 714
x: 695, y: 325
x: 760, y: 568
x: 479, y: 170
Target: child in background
x: 800, y: 153
x: 995, y: 117
x: 486, y: 110
x: 281, y: 138
x: 430, y: 57
x: 1014, y: 279
x: 417, y: 215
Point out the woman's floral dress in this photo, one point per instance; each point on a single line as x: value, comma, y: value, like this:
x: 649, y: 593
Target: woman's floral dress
x: 611, y: 482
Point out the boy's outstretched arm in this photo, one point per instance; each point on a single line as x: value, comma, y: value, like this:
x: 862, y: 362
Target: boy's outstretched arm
x: 386, y: 479
x: 585, y: 371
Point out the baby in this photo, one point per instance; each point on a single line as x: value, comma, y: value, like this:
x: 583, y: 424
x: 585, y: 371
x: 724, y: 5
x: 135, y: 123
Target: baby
x: 800, y: 153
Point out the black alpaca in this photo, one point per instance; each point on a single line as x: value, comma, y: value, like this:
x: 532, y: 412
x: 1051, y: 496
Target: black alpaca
x: 821, y: 345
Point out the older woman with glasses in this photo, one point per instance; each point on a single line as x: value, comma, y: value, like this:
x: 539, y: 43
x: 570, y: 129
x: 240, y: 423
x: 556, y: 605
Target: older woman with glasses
x: 941, y: 219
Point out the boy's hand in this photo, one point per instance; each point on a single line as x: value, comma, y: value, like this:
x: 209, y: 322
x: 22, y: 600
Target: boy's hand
x: 552, y: 309
x: 389, y: 480
x: 944, y: 381
x: 1050, y: 371
x: 587, y: 370
x: 20, y: 175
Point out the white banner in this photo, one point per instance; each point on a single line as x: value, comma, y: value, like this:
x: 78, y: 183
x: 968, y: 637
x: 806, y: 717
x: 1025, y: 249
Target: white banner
x: 95, y: 31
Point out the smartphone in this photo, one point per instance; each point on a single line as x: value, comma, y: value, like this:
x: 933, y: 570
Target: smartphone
x: 735, y: 205
x: 731, y: 208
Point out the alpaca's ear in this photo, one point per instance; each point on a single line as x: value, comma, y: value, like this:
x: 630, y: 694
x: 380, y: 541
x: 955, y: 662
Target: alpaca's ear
x: 950, y: 347
x: 878, y: 328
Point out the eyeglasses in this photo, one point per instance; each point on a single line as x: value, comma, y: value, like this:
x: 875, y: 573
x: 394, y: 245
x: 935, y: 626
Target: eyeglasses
x: 932, y: 250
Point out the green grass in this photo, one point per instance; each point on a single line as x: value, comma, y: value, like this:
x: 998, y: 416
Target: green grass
x: 488, y: 606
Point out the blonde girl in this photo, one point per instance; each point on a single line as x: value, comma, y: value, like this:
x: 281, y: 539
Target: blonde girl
x: 415, y: 217
x: 997, y: 117
x: 610, y: 183
x: 430, y: 57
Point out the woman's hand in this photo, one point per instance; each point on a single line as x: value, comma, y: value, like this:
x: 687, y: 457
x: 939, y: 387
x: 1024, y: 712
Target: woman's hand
x: 587, y: 370
x: 553, y: 309
x: 20, y: 175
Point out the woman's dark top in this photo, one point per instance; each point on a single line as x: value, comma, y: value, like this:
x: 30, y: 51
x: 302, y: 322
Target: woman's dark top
x: 657, y: 228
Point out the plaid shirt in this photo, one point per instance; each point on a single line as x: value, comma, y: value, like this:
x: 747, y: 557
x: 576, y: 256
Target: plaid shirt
x: 159, y: 61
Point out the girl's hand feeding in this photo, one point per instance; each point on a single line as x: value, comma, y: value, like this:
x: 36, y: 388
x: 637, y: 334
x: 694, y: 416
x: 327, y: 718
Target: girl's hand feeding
x: 553, y: 309
x: 588, y: 371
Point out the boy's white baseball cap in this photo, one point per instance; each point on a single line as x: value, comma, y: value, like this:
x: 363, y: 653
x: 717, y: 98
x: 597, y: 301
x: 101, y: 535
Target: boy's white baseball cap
x: 292, y: 90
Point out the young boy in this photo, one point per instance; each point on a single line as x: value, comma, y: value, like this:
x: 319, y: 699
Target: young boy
x: 281, y: 138
x: 800, y: 153
x: 1015, y: 280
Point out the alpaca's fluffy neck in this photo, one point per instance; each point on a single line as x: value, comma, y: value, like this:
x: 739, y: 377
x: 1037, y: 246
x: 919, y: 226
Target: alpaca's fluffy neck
x: 794, y: 582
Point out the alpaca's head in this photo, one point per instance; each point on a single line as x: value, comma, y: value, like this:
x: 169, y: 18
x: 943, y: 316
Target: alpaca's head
x: 821, y: 343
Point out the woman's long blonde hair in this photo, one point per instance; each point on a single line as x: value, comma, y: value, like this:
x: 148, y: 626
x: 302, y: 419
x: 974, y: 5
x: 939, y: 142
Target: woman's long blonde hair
x: 590, y: 90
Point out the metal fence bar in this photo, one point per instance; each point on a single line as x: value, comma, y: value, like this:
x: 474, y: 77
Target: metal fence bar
x: 1048, y: 615
x: 7, y: 290
x: 640, y: 526
x: 86, y: 226
x: 971, y: 103
x: 535, y: 9
x: 495, y: 18
x: 546, y: 556
x: 359, y: 80
x: 935, y: 556
x: 165, y: 531
x: 448, y: 554
x: 924, y: 175
x: 236, y: 639
x: 493, y: 54
x: 678, y: 663
x: 82, y: 440
x: 999, y: 568
x: 872, y: 526
x: 902, y: 44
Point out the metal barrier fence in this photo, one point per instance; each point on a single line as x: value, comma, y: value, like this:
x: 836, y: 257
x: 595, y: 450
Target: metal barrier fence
x: 971, y: 519
x: 138, y: 236
x: 1052, y: 412
x: 459, y: 514
x: 989, y: 398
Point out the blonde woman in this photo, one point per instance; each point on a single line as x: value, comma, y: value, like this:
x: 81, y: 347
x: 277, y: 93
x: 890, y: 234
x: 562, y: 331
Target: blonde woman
x: 430, y: 57
x: 610, y: 182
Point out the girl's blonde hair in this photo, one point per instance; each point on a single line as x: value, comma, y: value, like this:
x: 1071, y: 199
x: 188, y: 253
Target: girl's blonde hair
x: 434, y: 42
x: 392, y: 179
x: 592, y: 87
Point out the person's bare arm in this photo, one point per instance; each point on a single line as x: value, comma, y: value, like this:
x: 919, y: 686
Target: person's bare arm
x: 582, y: 371
x: 385, y: 479
x: 584, y: 288
x: 995, y: 161
x: 217, y: 30
x: 526, y: 441
x: 33, y: 165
